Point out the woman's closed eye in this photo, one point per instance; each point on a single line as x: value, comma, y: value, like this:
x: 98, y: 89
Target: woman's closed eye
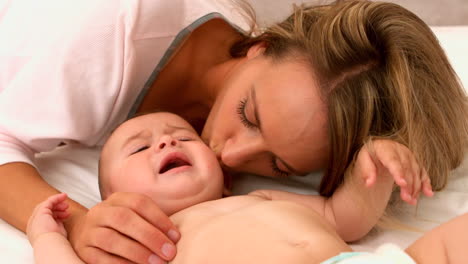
x: 242, y: 115
x: 277, y: 171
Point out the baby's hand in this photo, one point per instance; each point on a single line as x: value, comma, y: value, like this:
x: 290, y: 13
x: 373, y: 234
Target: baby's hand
x: 387, y: 156
x: 48, y: 216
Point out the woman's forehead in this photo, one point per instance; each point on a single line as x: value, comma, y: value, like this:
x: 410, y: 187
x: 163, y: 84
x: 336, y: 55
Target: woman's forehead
x: 300, y: 140
x: 293, y: 115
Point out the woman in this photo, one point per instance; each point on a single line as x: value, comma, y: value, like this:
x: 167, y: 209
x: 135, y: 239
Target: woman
x: 303, y: 95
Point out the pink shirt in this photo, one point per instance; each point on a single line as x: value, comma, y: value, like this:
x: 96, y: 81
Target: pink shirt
x: 71, y: 71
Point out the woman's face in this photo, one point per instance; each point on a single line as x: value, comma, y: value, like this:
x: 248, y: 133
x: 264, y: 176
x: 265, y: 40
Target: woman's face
x: 269, y: 119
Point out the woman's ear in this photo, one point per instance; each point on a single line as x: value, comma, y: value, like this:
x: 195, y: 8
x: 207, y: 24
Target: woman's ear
x: 256, y: 50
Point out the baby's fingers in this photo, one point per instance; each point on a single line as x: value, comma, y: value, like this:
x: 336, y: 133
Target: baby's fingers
x: 55, y: 199
x: 405, y: 195
x: 61, y: 215
x: 367, y: 168
x: 415, y: 173
x: 58, y: 205
x: 396, y: 169
x: 426, y: 184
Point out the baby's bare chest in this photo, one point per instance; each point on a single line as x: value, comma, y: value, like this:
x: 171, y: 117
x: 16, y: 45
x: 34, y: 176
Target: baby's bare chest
x: 251, y: 231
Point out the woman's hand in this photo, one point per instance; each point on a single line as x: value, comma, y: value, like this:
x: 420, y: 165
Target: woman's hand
x: 48, y: 217
x: 387, y: 156
x: 125, y: 228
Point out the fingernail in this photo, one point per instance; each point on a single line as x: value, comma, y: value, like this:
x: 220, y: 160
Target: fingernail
x: 173, y: 235
x: 168, y: 250
x: 407, y: 197
x: 154, y: 259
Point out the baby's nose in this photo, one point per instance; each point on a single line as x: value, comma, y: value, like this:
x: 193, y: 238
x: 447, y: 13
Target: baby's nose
x: 167, y: 141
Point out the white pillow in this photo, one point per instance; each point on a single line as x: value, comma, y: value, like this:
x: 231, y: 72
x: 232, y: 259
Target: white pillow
x: 454, y: 40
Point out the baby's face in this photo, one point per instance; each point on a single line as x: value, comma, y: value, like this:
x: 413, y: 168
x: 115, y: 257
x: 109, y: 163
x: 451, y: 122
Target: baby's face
x: 162, y: 156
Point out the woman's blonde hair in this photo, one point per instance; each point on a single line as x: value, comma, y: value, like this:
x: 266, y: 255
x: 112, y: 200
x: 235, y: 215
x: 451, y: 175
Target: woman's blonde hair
x: 382, y: 74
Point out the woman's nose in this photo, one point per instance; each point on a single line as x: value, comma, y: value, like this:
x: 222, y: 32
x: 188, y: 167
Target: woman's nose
x: 166, y: 141
x: 238, y: 153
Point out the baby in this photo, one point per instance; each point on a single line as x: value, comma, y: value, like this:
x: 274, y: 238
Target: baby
x: 161, y: 156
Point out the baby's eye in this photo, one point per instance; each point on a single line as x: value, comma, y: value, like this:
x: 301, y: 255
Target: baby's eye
x: 140, y: 149
x: 185, y: 139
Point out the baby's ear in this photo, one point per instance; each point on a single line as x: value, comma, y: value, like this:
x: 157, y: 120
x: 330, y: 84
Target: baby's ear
x: 256, y: 50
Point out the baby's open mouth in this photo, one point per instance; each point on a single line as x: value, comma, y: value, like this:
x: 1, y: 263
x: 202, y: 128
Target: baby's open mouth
x: 172, y: 161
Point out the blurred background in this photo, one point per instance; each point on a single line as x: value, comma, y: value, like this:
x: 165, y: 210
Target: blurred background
x: 438, y: 12
x: 433, y: 12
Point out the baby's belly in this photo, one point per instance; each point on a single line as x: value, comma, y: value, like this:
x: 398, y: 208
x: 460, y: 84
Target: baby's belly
x: 258, y: 232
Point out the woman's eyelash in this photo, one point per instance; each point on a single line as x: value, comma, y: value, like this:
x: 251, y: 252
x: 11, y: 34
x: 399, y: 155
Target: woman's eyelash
x: 278, y: 172
x: 140, y: 149
x: 241, y: 113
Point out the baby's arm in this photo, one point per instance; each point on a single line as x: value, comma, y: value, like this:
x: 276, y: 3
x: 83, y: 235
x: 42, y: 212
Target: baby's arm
x: 360, y: 201
x: 47, y: 234
x: 352, y: 210
x: 444, y: 244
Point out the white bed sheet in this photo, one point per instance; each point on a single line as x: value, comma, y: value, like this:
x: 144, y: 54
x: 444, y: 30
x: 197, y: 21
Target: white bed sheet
x: 73, y: 169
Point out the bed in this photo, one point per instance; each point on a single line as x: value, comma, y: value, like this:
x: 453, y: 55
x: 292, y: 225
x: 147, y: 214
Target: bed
x: 73, y: 169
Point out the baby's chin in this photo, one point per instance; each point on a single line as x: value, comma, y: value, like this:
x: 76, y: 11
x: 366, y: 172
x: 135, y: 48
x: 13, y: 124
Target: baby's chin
x: 183, y: 202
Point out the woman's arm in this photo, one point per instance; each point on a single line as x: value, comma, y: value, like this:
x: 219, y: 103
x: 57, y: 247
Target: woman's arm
x: 22, y: 188
x: 69, y: 78
x: 97, y: 236
x: 95, y: 233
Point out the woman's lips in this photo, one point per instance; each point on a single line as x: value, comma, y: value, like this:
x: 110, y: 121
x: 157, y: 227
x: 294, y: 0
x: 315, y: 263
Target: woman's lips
x: 174, y: 162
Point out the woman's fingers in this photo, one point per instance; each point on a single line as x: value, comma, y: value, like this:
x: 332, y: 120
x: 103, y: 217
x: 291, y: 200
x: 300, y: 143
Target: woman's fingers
x: 115, y: 243
x: 135, y: 230
x: 93, y: 255
x: 130, y: 224
x: 147, y: 209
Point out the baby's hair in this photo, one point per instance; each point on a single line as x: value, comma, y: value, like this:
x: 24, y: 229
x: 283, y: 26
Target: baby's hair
x: 142, y: 113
